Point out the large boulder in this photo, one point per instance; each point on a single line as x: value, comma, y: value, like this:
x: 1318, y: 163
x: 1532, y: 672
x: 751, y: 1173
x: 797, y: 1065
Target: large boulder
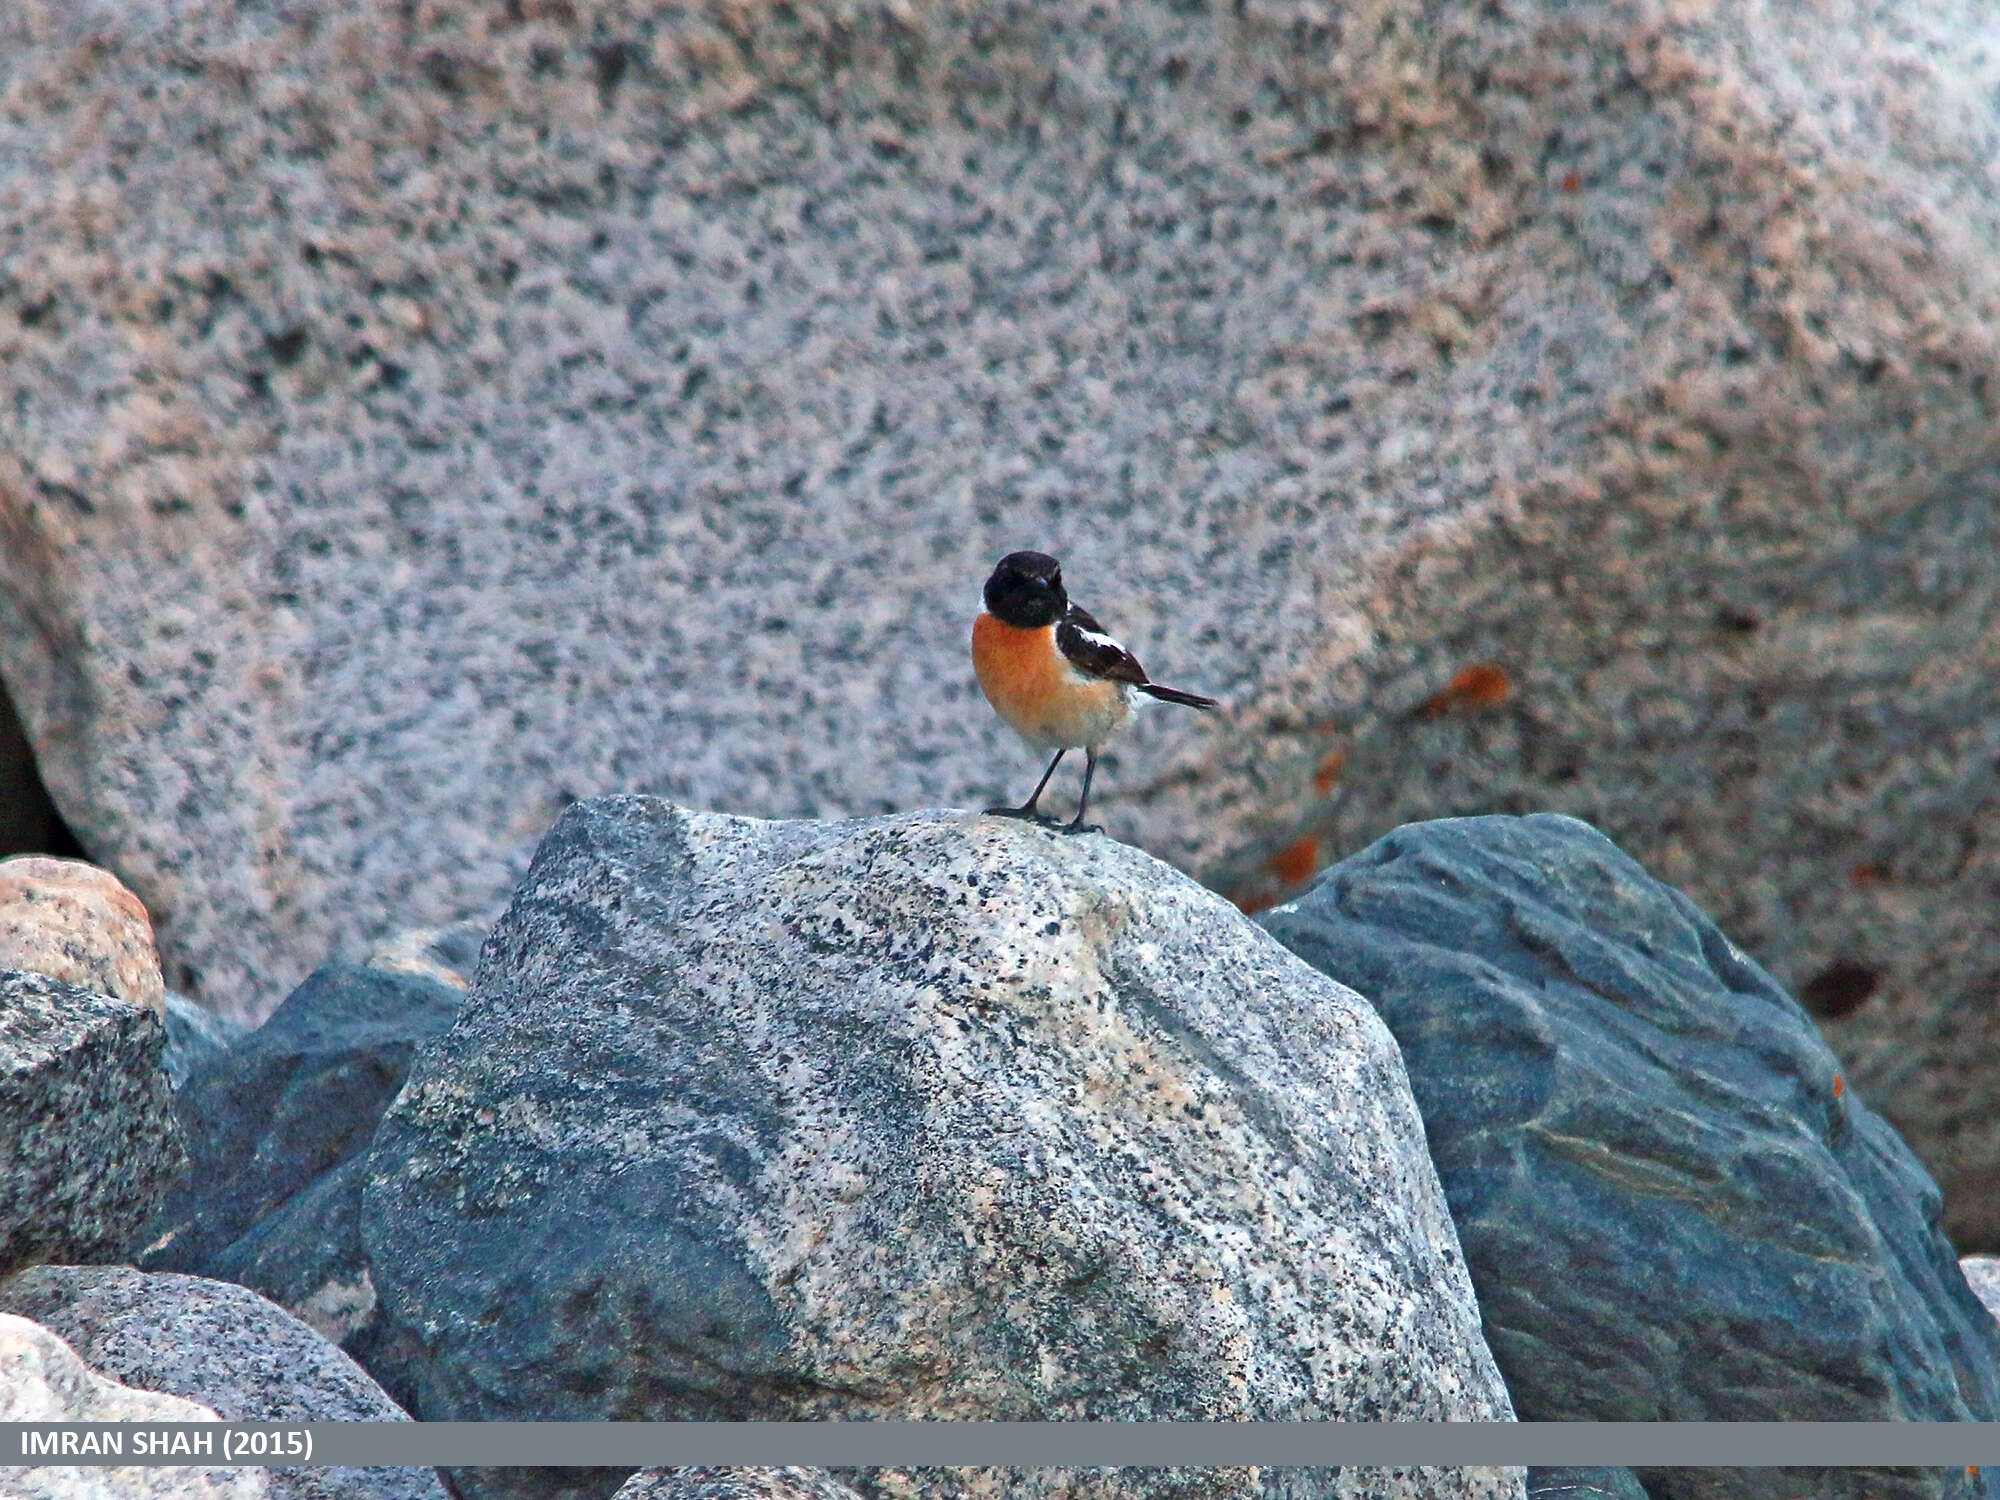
x: 278, y: 1131
x: 224, y: 1346
x: 934, y: 1116
x: 43, y: 1380
x: 419, y: 418
x: 1673, y: 1204
x: 88, y: 1139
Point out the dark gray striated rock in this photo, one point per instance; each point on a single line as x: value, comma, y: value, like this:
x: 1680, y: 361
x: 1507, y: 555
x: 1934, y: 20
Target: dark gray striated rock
x: 1672, y: 1207
x: 1584, y: 1484
x: 278, y: 1129
x: 734, y: 1484
x: 194, y: 1037
x: 932, y: 1116
x: 88, y: 1140
x: 225, y: 1347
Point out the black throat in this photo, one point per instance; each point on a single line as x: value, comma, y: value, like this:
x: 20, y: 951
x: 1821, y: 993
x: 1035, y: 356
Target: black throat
x: 1026, y: 591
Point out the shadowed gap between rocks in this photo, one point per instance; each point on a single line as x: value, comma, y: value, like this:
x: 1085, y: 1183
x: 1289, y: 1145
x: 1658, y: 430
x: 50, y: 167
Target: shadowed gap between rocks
x: 29, y: 822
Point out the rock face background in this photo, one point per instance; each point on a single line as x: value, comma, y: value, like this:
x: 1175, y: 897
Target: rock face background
x: 417, y: 417
x: 927, y: 1117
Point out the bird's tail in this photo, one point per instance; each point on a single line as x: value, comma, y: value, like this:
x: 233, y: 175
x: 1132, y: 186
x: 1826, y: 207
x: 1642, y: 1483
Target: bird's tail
x: 1175, y: 695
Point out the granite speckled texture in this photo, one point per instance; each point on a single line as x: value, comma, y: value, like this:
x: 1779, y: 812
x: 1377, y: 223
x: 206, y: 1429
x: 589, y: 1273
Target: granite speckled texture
x: 43, y: 1380
x: 419, y: 416
x: 88, y: 1138
x: 242, y: 1356
x: 77, y: 923
x: 937, y: 1116
x: 1673, y: 1205
x: 278, y: 1129
x: 734, y: 1484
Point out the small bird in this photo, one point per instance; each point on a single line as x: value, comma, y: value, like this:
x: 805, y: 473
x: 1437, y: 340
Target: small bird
x: 1052, y: 673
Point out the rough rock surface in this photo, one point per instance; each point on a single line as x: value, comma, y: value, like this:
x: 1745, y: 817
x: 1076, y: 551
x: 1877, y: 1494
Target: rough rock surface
x: 194, y: 1037
x: 1649, y: 1151
x: 43, y: 1380
x: 936, y: 1116
x: 278, y: 1130
x: 417, y: 417
x: 75, y: 922
x: 734, y: 1484
x: 1584, y: 1484
x: 226, y: 1347
x: 88, y: 1140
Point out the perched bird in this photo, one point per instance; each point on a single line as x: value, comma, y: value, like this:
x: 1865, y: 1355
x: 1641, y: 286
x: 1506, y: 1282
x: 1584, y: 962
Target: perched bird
x: 1052, y: 673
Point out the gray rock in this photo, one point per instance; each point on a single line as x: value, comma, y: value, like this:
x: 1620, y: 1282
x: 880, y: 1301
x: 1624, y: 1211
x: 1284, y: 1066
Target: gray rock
x: 43, y: 1380
x: 194, y: 1036
x: 88, y: 1141
x: 1584, y: 1484
x: 417, y: 420
x: 1672, y: 1206
x: 935, y: 1116
x: 226, y: 1347
x: 734, y: 1484
x: 278, y: 1130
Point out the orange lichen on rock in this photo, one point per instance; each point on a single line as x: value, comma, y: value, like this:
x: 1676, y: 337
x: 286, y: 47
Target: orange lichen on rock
x: 1481, y: 686
x: 1327, y: 772
x: 1296, y: 861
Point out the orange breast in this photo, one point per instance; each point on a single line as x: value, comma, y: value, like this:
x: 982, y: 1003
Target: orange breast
x: 1039, y: 694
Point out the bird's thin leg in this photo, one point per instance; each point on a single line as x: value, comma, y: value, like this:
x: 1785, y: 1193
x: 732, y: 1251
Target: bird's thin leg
x: 1027, y: 809
x: 1076, y: 824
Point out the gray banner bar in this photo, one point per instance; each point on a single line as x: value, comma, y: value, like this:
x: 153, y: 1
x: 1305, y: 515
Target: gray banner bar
x: 1011, y: 1444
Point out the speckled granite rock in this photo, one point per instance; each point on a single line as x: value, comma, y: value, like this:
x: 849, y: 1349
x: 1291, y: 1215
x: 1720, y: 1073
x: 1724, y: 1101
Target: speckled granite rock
x: 1584, y: 1484
x: 77, y: 923
x: 418, y: 418
x: 1648, y: 1150
x: 88, y: 1140
x: 936, y: 1116
x: 226, y: 1347
x: 278, y: 1130
x: 734, y: 1484
x: 43, y: 1380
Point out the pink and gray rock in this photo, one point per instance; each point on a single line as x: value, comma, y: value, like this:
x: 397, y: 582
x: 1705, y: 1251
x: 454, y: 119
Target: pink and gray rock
x: 43, y: 1380
x: 928, y: 1117
x: 88, y: 1138
x: 236, y: 1353
x: 74, y: 922
x: 418, y: 419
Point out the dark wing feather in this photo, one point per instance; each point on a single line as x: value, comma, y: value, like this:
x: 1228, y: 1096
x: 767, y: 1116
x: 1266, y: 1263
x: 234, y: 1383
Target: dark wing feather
x: 1086, y: 647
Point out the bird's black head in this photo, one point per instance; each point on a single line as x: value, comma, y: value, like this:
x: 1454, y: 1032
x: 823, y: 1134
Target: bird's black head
x: 1026, y: 591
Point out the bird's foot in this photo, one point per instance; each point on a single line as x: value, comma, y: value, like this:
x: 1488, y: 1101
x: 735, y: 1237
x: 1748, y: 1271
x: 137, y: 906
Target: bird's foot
x: 1028, y: 814
x: 1075, y: 827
